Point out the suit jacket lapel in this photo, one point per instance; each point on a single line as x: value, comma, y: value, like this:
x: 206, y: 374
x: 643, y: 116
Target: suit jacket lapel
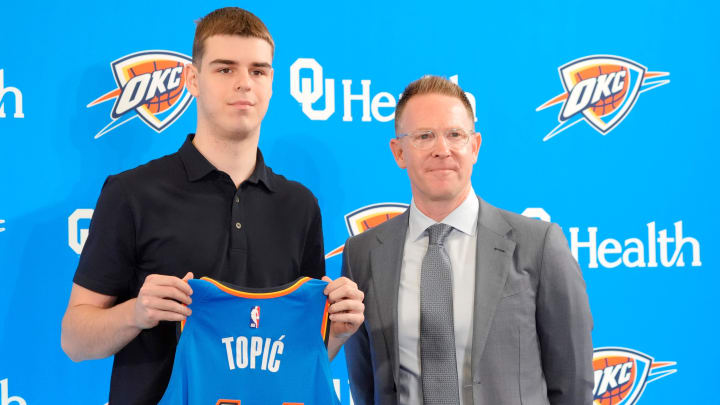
x: 493, y: 261
x: 385, y: 265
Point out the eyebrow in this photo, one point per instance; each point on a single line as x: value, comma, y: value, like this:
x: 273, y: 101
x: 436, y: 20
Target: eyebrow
x: 234, y: 63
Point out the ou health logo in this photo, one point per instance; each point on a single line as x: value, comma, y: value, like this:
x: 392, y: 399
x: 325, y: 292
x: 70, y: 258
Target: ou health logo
x: 621, y: 375
x: 602, y: 90
x: 150, y: 85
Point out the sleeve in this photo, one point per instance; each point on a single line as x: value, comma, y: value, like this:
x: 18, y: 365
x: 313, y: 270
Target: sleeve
x: 564, y: 324
x: 357, y: 352
x: 313, y: 256
x: 108, y: 261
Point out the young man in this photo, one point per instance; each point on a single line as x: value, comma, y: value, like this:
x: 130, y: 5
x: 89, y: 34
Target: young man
x: 211, y: 209
x: 466, y: 303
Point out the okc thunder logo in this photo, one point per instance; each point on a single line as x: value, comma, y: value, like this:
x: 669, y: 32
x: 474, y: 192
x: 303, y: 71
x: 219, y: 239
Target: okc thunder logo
x: 150, y: 84
x: 601, y: 89
x: 621, y: 375
x: 368, y: 217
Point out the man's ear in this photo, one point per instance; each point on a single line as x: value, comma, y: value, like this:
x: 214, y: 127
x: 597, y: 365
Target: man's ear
x: 475, y: 142
x: 398, y: 153
x: 191, y: 78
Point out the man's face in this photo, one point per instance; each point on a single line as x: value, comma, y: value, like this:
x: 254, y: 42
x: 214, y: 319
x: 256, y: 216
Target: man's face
x: 232, y: 85
x: 438, y: 173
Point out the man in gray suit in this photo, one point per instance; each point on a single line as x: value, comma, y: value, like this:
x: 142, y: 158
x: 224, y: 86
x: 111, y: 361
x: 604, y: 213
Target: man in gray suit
x: 465, y: 303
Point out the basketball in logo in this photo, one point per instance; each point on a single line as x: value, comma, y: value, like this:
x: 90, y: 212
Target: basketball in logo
x: 150, y: 86
x: 610, y: 103
x: 163, y: 101
x: 621, y: 375
x: 616, y: 391
x: 601, y: 90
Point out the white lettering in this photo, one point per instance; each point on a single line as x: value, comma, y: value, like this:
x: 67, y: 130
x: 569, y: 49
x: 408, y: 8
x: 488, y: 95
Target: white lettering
x: 639, y: 250
x: 591, y: 244
x: 2, y: 221
x: 277, y: 349
x: 257, y: 353
x: 75, y: 241
x: 175, y: 78
x: 4, y: 392
x: 241, y: 355
x: 680, y: 241
x: 618, y: 82
x: 383, y: 100
x: 312, y: 89
x: 364, y: 97
x: 228, y: 347
x: 614, y: 248
x: 602, y: 88
x: 132, y: 94
x: 578, y: 99
x: 157, y: 83
x: 14, y: 91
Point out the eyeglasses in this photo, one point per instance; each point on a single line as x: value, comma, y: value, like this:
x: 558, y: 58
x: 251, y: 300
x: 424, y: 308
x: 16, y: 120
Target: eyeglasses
x: 455, y: 138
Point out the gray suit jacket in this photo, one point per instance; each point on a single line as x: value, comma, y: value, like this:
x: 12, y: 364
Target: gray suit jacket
x: 532, y: 322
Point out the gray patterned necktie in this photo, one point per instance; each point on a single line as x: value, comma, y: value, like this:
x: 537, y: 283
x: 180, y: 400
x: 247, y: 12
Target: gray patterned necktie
x: 437, y: 334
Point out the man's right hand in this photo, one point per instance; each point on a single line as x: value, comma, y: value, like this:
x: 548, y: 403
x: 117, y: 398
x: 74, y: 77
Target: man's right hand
x: 162, y: 298
x: 94, y: 326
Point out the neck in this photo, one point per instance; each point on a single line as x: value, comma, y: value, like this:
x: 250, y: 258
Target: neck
x: 235, y: 156
x: 437, y: 210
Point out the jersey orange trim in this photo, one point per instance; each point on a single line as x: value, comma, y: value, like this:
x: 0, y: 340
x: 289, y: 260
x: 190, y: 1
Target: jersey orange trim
x: 325, y: 322
x: 245, y: 294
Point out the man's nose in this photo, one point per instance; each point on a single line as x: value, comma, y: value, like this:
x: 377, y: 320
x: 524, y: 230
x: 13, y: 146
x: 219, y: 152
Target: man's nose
x: 441, y: 147
x: 242, y: 81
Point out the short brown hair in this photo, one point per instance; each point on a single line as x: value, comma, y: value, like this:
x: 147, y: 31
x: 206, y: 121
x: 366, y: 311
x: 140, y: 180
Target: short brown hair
x: 432, y: 85
x: 228, y: 21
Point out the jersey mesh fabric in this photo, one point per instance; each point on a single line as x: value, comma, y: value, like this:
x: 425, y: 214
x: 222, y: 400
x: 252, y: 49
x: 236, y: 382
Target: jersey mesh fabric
x: 228, y: 355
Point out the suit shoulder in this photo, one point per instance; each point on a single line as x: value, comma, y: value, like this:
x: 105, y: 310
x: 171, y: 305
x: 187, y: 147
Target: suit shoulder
x: 524, y: 230
x: 387, y: 229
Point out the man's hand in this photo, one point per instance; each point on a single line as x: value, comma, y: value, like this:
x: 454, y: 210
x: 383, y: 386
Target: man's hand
x: 346, y: 311
x: 161, y: 298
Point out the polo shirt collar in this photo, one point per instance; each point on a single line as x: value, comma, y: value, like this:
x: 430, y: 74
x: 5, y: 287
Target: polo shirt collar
x: 197, y: 166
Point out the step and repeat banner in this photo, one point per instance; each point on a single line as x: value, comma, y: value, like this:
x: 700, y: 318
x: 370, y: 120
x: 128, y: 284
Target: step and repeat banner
x: 601, y: 117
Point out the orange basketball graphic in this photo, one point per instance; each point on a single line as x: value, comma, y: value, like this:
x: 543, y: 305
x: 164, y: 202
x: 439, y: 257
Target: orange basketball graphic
x: 609, y: 104
x: 163, y: 101
x: 614, y: 395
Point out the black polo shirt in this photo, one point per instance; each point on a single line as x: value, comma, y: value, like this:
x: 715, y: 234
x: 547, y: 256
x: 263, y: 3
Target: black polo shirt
x: 178, y: 214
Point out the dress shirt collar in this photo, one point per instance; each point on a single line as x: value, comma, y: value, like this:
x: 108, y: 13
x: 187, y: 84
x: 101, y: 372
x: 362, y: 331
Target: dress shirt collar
x: 197, y: 166
x: 463, y: 218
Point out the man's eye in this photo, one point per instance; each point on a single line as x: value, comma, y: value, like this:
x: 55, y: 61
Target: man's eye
x: 225, y: 70
x: 455, y: 134
x: 424, y: 136
x: 258, y: 72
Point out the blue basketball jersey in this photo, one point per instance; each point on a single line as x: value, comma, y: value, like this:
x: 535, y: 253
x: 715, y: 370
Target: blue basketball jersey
x: 253, y: 347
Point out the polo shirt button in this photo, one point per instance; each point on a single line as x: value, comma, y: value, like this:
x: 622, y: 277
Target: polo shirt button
x: 238, y: 225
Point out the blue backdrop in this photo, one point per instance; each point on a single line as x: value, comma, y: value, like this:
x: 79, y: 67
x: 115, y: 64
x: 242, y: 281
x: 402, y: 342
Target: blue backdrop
x: 635, y: 201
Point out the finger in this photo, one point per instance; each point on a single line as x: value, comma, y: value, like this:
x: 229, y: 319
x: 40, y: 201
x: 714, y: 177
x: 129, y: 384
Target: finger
x: 337, y: 284
x: 166, y: 292
x: 346, y: 306
x: 348, y: 291
x: 168, y: 316
x: 160, y: 304
x: 188, y: 276
x: 353, y: 319
x: 172, y: 281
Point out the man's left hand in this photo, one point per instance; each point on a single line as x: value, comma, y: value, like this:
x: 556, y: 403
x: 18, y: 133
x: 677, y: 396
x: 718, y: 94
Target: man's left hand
x: 346, y: 311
